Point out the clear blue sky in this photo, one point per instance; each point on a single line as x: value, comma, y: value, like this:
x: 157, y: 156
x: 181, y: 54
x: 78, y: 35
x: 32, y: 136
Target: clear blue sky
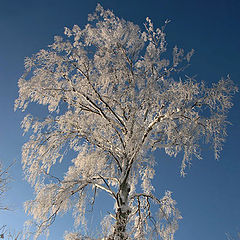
x: 209, y: 196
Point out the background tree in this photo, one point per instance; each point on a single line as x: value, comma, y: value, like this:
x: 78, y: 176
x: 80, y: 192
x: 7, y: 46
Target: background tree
x: 113, y: 98
x: 230, y: 237
x: 5, y: 233
x: 3, y: 184
x: 4, y: 180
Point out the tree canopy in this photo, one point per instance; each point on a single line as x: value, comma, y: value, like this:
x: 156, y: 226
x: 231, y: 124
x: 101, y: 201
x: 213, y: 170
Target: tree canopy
x: 114, y: 96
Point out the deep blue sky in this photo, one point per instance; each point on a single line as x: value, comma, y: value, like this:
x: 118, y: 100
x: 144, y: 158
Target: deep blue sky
x: 209, y: 195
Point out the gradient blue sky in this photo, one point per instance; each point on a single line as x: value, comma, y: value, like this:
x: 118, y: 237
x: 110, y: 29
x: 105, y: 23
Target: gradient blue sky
x: 209, y: 196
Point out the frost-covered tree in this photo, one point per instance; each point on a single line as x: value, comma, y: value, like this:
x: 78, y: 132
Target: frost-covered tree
x: 2, y: 184
x: 6, y: 234
x: 230, y: 237
x: 4, y: 179
x: 114, y: 96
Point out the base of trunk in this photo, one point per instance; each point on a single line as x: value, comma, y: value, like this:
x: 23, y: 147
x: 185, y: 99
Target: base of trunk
x: 120, y: 226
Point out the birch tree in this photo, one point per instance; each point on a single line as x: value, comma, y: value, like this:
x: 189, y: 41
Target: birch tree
x: 230, y: 237
x: 114, y: 96
x: 2, y: 184
x: 4, y: 179
x: 5, y: 233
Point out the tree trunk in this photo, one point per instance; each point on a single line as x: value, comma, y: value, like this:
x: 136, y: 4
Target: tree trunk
x: 122, y: 213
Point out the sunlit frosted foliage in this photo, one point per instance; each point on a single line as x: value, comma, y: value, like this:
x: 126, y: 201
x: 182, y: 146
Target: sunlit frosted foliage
x: 113, y: 98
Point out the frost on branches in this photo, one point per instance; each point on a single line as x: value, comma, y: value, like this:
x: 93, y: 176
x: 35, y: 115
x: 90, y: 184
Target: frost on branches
x: 113, y: 98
